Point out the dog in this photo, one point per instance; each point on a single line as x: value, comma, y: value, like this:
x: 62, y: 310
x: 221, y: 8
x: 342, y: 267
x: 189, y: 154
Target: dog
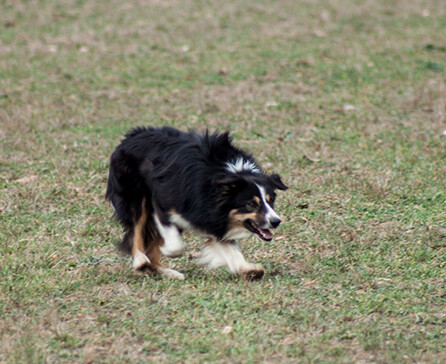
x: 163, y: 181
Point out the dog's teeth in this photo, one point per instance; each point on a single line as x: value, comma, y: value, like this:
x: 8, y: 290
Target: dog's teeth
x: 266, y: 233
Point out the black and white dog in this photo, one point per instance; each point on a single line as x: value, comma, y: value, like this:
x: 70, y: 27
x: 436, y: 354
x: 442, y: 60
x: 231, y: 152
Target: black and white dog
x: 163, y: 181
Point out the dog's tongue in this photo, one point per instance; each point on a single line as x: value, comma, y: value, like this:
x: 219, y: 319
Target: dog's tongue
x: 266, y: 234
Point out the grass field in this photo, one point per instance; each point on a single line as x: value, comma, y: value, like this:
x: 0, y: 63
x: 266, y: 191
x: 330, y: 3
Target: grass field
x: 345, y: 99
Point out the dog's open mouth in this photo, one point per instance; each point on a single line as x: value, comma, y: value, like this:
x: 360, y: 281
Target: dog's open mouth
x: 264, y: 234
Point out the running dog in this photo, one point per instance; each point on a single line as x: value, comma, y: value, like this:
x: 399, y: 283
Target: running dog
x: 163, y: 181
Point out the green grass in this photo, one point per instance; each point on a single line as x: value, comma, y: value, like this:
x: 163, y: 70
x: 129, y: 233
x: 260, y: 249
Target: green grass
x: 345, y: 99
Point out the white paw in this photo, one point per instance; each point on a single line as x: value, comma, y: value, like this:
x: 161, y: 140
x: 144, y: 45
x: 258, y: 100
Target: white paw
x: 140, y: 260
x: 171, y: 273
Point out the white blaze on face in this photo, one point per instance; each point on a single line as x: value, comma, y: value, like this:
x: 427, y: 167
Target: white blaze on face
x: 270, y: 213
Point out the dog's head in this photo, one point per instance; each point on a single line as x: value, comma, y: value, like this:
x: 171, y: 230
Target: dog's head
x: 250, y: 198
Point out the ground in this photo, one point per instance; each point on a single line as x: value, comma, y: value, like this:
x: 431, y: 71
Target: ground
x: 345, y: 99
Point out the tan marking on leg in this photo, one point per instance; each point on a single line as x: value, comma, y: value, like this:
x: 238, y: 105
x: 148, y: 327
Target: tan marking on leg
x: 139, y: 258
x: 154, y: 253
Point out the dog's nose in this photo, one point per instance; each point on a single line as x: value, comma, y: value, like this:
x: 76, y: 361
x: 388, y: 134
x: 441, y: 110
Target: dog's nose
x: 275, y: 222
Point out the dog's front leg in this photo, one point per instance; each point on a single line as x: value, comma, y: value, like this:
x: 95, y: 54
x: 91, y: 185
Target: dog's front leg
x: 173, y: 244
x: 227, y: 254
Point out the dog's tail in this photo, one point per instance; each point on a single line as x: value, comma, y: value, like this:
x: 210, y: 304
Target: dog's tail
x: 123, y: 189
x: 113, y: 184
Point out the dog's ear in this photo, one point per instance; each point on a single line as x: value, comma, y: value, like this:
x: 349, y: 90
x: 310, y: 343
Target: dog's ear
x: 276, y: 181
x: 229, y: 185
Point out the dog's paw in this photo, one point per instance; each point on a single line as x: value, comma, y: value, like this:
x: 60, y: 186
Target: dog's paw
x: 254, y: 273
x: 141, y: 262
x: 170, y: 273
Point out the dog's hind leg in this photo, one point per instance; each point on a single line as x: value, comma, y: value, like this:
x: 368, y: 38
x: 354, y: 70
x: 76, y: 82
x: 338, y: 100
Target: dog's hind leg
x: 154, y: 252
x: 140, y: 260
x: 227, y: 254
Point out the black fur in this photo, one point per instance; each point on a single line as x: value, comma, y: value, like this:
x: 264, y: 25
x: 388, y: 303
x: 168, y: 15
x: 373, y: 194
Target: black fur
x: 183, y: 172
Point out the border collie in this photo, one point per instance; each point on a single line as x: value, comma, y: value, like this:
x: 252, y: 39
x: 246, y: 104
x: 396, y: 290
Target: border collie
x: 163, y: 181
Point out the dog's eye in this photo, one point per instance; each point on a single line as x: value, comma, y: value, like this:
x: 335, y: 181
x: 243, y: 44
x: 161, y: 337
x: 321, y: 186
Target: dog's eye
x: 252, y: 205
